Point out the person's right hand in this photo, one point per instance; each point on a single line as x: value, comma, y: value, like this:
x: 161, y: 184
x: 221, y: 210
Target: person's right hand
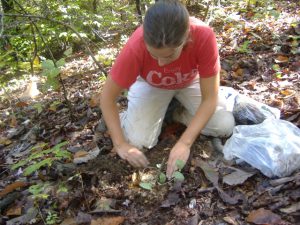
x: 133, y: 155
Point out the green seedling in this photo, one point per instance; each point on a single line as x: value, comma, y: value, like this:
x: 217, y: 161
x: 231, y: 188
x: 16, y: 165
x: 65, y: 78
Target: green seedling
x: 40, y: 158
x: 162, y: 178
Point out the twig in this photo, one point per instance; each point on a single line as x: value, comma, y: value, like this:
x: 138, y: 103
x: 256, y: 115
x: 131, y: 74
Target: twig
x: 41, y: 215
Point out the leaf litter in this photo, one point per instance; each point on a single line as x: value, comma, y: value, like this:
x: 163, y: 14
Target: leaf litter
x: 258, y: 59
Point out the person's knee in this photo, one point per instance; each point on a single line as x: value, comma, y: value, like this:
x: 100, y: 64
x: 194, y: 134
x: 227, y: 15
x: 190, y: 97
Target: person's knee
x: 220, y: 125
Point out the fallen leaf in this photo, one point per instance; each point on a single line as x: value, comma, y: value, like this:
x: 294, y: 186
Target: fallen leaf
x: 24, y: 219
x: 13, y: 121
x: 287, y: 92
x: 210, y: 172
x: 83, y: 218
x: 95, y: 100
x: 5, y: 141
x: 238, y: 74
x: 292, y: 208
x: 92, y: 154
x: 263, y: 216
x: 16, y: 210
x: 277, y: 103
x: 80, y: 153
x: 108, y: 221
x: 105, y: 205
x: 21, y: 104
x: 281, y: 59
x: 172, y: 199
x: 237, y: 177
x: 230, y: 220
x: 11, y: 187
x: 232, y: 200
x: 69, y: 221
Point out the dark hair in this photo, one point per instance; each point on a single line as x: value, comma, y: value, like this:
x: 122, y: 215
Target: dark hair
x: 166, y: 24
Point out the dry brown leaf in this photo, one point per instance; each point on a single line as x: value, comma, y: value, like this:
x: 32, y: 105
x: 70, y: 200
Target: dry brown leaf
x: 80, y: 154
x: 230, y: 220
x: 95, y: 100
x: 287, y: 92
x: 69, y: 221
x: 281, y: 59
x: 5, y: 141
x: 14, y: 211
x: 13, y: 122
x: 239, y: 73
x: 11, y: 187
x: 108, y: 221
x: 22, y: 104
x: 277, y: 103
x: 263, y: 216
x: 292, y: 208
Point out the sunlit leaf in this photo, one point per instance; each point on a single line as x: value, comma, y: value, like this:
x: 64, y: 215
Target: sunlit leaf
x: 287, y: 92
x: 39, y: 107
x: 60, y: 62
x: 36, y: 61
x: 281, y: 59
x: 68, y: 52
x: 276, y: 67
x: 48, y: 64
x: 36, y: 166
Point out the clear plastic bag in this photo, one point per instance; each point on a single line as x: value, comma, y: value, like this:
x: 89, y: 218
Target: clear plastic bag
x: 272, y: 146
x: 247, y: 111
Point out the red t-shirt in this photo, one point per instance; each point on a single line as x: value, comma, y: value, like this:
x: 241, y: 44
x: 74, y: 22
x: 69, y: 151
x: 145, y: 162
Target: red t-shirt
x: 199, y: 57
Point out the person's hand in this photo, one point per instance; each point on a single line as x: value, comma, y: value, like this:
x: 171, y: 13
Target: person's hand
x: 180, y: 151
x: 133, y: 155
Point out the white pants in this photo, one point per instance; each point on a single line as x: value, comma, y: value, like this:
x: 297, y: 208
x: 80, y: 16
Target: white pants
x: 147, y: 105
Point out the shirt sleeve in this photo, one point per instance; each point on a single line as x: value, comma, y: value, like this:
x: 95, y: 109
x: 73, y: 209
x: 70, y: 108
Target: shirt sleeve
x: 127, y: 65
x: 208, y: 55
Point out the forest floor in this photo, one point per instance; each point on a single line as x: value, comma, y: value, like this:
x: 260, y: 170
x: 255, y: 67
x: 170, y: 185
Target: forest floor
x: 45, y: 180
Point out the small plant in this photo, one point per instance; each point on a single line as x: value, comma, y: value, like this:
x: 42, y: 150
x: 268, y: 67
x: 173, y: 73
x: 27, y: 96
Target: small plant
x: 52, y: 218
x: 37, y: 190
x: 39, y: 158
x: 51, y: 70
x: 244, y: 47
x: 162, y: 178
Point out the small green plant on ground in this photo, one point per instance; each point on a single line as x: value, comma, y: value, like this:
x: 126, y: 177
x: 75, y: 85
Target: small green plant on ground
x: 52, y: 218
x: 40, y: 158
x: 162, y: 178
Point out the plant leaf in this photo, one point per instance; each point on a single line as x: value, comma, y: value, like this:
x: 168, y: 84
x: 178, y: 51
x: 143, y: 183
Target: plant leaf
x: 68, y: 51
x: 32, y: 168
x: 162, y: 178
x: 147, y: 186
x: 48, y: 64
x: 178, y: 176
x: 60, y: 62
x: 180, y: 164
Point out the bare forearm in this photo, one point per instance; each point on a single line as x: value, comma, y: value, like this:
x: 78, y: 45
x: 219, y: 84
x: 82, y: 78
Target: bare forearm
x: 111, y: 116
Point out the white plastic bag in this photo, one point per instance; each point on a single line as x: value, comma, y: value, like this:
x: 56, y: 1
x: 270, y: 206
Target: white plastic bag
x: 247, y: 111
x: 272, y: 146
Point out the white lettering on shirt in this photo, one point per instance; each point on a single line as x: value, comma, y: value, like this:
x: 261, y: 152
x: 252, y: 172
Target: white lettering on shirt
x: 158, y: 79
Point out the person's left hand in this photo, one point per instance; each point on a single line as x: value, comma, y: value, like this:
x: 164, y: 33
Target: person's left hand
x: 180, y: 151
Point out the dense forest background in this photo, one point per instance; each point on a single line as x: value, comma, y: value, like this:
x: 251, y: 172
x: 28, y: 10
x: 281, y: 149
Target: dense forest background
x: 57, y: 168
